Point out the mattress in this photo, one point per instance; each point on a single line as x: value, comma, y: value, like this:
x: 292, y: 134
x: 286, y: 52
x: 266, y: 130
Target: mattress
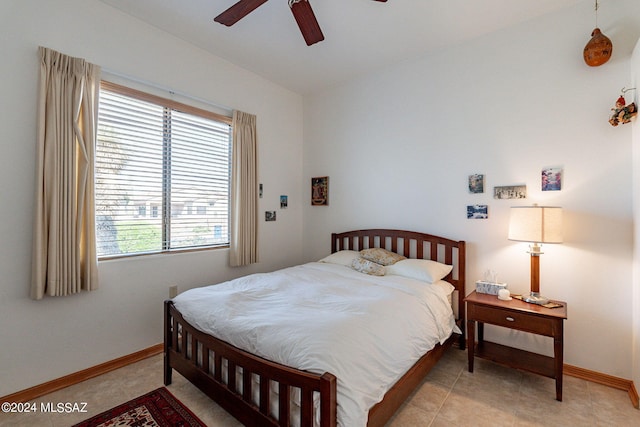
x: 319, y: 317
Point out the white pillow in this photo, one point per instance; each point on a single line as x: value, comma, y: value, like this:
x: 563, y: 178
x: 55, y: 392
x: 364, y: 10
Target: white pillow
x: 368, y: 267
x: 344, y: 257
x: 446, y: 287
x: 420, y: 269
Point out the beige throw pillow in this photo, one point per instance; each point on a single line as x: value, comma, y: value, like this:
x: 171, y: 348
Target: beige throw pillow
x: 381, y: 256
x: 368, y: 267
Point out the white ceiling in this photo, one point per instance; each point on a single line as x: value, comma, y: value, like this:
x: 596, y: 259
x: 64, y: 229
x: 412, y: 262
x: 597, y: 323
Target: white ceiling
x: 360, y: 35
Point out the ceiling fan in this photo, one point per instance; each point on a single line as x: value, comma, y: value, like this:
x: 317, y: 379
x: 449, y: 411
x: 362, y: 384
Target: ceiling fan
x: 301, y: 10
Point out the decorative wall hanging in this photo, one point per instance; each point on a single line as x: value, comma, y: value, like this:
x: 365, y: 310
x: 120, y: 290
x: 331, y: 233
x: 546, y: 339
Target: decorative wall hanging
x: 320, y: 191
x: 510, y: 192
x: 623, y: 113
x: 598, y: 50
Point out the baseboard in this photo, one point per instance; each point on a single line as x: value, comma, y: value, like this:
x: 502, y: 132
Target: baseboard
x: 85, y: 374
x: 633, y: 395
x: 604, y: 379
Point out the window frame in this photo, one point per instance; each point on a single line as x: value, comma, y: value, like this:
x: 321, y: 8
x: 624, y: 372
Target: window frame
x: 186, y: 109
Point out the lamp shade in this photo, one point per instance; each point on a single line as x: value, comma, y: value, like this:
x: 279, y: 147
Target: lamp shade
x: 536, y: 224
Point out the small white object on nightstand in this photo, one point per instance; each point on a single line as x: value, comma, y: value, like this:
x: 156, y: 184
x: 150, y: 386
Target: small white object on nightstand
x: 504, y: 295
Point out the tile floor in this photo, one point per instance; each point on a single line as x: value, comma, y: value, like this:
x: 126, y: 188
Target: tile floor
x: 449, y: 396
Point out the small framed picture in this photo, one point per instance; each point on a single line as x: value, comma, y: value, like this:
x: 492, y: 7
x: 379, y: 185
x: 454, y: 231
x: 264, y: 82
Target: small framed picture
x: 284, y: 202
x: 320, y: 191
x: 270, y: 216
x: 510, y: 192
x: 477, y: 212
x: 476, y: 183
x: 551, y: 179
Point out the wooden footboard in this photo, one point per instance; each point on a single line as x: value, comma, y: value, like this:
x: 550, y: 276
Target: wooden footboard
x: 241, y: 382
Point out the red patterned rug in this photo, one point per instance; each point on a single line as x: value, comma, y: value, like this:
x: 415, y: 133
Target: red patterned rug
x: 158, y: 408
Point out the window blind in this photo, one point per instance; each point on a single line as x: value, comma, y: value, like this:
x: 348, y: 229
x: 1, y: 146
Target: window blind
x: 162, y: 174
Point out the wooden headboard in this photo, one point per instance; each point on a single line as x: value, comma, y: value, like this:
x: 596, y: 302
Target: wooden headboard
x: 413, y: 244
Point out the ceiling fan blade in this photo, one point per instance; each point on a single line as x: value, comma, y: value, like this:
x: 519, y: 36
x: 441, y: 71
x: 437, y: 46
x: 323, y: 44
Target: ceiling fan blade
x: 238, y: 11
x: 307, y: 22
x: 384, y: 1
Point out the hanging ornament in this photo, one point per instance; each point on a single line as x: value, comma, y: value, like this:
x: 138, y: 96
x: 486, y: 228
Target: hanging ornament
x: 598, y: 50
x: 623, y: 113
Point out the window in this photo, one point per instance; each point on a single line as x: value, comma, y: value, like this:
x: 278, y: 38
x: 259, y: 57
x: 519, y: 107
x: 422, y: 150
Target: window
x: 155, y: 161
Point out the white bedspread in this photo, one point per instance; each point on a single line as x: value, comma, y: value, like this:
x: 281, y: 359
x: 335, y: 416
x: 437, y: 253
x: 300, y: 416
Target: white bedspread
x: 366, y: 330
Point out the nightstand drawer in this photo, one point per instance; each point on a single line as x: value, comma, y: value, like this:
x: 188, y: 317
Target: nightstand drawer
x: 512, y: 319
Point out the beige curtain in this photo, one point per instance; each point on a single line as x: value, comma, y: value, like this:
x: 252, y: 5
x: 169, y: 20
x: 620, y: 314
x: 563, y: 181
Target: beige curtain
x: 64, y: 257
x: 244, y: 191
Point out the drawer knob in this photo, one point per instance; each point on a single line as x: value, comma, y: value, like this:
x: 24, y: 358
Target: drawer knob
x: 510, y: 319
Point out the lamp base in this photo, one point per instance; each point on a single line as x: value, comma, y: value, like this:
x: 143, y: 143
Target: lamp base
x: 535, y: 298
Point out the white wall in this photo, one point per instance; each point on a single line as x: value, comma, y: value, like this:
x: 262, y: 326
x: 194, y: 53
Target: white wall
x: 635, y: 80
x: 399, y: 144
x: 44, y: 340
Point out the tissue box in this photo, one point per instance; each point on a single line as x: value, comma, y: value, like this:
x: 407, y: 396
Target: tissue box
x: 483, y: 287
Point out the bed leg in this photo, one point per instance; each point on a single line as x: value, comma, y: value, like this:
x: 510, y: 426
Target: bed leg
x: 168, y: 371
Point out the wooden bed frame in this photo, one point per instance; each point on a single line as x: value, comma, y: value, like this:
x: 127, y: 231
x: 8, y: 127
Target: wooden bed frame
x: 225, y: 373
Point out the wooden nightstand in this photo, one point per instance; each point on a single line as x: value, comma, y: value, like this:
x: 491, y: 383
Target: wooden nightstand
x: 523, y: 316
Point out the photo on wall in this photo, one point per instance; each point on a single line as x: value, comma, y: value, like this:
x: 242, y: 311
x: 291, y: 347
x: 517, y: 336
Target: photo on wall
x: 476, y: 183
x: 477, y: 212
x: 284, y: 202
x: 551, y: 179
x: 320, y: 191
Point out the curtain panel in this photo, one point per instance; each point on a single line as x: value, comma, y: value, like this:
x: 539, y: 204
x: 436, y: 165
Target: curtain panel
x: 244, y: 191
x: 64, y: 259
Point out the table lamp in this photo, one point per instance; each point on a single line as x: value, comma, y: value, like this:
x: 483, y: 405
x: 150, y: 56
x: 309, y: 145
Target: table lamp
x: 535, y: 224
